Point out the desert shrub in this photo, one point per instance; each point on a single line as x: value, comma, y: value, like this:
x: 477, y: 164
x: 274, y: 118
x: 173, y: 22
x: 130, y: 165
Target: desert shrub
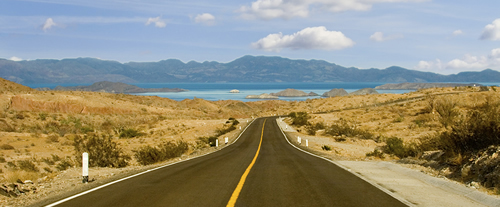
x: 479, y: 129
x: 419, y: 122
x: 222, y: 131
x: 147, y: 155
x: 399, y: 119
x: 396, y: 146
x: 47, y: 169
x: 48, y: 161
x: 130, y: 133
x: 326, y: 148
x: 235, y: 122
x: 211, y: 141
x: 2, y: 159
x: 43, y: 116
x: 11, y: 165
x: 52, y: 138
x: 27, y: 165
x: 86, y: 129
x: 65, y: 164
x: 19, y: 116
x: 103, y: 152
x: 375, y: 153
x: 55, y: 158
x: 344, y: 128
x: 299, y: 118
x: 446, y: 108
x: 312, y: 128
x: 6, y: 147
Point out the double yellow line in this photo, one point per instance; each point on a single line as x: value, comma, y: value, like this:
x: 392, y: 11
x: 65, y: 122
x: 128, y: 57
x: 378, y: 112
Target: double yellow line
x: 237, y: 191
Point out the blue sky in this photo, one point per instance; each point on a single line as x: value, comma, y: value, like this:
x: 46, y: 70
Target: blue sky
x: 446, y: 37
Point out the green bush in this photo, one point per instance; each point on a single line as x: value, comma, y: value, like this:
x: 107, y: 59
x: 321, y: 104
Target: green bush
x: 299, y: 118
x: 349, y: 130
x: 103, y: 152
x: 326, y: 148
x: 396, y: 146
x: 147, y: 155
x: 479, y: 129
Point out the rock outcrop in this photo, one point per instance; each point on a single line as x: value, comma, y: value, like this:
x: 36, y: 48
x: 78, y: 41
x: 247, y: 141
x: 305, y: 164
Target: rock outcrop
x: 234, y: 91
x: 335, y: 92
x: 484, y: 168
x: 261, y: 96
x: 290, y: 92
x: 416, y: 86
x: 364, y: 91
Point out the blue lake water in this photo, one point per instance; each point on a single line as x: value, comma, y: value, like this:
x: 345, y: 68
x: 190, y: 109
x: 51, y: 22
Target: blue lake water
x: 220, y: 91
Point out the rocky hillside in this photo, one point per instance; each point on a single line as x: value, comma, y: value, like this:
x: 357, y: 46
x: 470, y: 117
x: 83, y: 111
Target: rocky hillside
x: 112, y: 87
x: 244, y: 69
x: 416, y: 86
x: 9, y: 86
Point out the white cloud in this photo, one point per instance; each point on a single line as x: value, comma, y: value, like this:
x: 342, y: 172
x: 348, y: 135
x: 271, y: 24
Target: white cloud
x: 14, y: 58
x: 286, y: 9
x: 467, y: 62
x: 49, y: 23
x: 160, y: 23
x: 457, y: 32
x: 477, y: 62
x: 492, y: 31
x: 379, y: 37
x: 205, y: 18
x: 429, y: 65
x: 308, y: 38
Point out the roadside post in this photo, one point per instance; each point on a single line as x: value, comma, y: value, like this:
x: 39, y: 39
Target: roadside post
x: 85, y: 167
x: 299, y: 140
x: 307, y: 143
x: 226, y: 140
x: 217, y: 143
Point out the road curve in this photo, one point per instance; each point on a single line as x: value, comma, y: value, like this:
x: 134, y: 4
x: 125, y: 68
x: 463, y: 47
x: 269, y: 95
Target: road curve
x: 280, y: 176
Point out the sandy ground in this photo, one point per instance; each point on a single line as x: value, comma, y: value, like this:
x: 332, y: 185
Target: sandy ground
x: 411, y: 184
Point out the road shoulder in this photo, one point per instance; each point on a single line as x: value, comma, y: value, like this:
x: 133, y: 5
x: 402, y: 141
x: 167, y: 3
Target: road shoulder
x: 414, y: 186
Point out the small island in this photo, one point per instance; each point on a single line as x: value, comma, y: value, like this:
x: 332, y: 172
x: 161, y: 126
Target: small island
x: 113, y: 87
x: 261, y: 96
x: 290, y: 92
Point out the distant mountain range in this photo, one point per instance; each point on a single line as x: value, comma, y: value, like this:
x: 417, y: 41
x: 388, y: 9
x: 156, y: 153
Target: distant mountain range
x: 244, y: 69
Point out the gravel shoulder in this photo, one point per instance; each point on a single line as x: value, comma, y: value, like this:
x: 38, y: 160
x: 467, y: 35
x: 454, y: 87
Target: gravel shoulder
x: 412, y: 185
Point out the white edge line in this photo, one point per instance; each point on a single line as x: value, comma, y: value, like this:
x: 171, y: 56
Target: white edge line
x: 395, y: 196
x: 144, y: 172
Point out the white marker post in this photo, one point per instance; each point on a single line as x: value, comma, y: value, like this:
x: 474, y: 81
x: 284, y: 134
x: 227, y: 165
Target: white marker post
x: 85, y: 167
x: 240, y: 127
x: 299, y: 140
x: 226, y: 140
x: 216, y: 142
x: 307, y: 143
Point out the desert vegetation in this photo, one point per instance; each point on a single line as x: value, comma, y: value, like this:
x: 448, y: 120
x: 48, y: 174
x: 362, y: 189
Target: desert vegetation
x: 43, y: 133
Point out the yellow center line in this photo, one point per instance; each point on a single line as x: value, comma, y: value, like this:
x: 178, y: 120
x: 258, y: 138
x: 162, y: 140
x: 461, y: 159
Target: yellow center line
x: 237, y: 191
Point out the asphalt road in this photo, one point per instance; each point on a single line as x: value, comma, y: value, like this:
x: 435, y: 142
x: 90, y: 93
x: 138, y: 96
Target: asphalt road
x: 280, y: 176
